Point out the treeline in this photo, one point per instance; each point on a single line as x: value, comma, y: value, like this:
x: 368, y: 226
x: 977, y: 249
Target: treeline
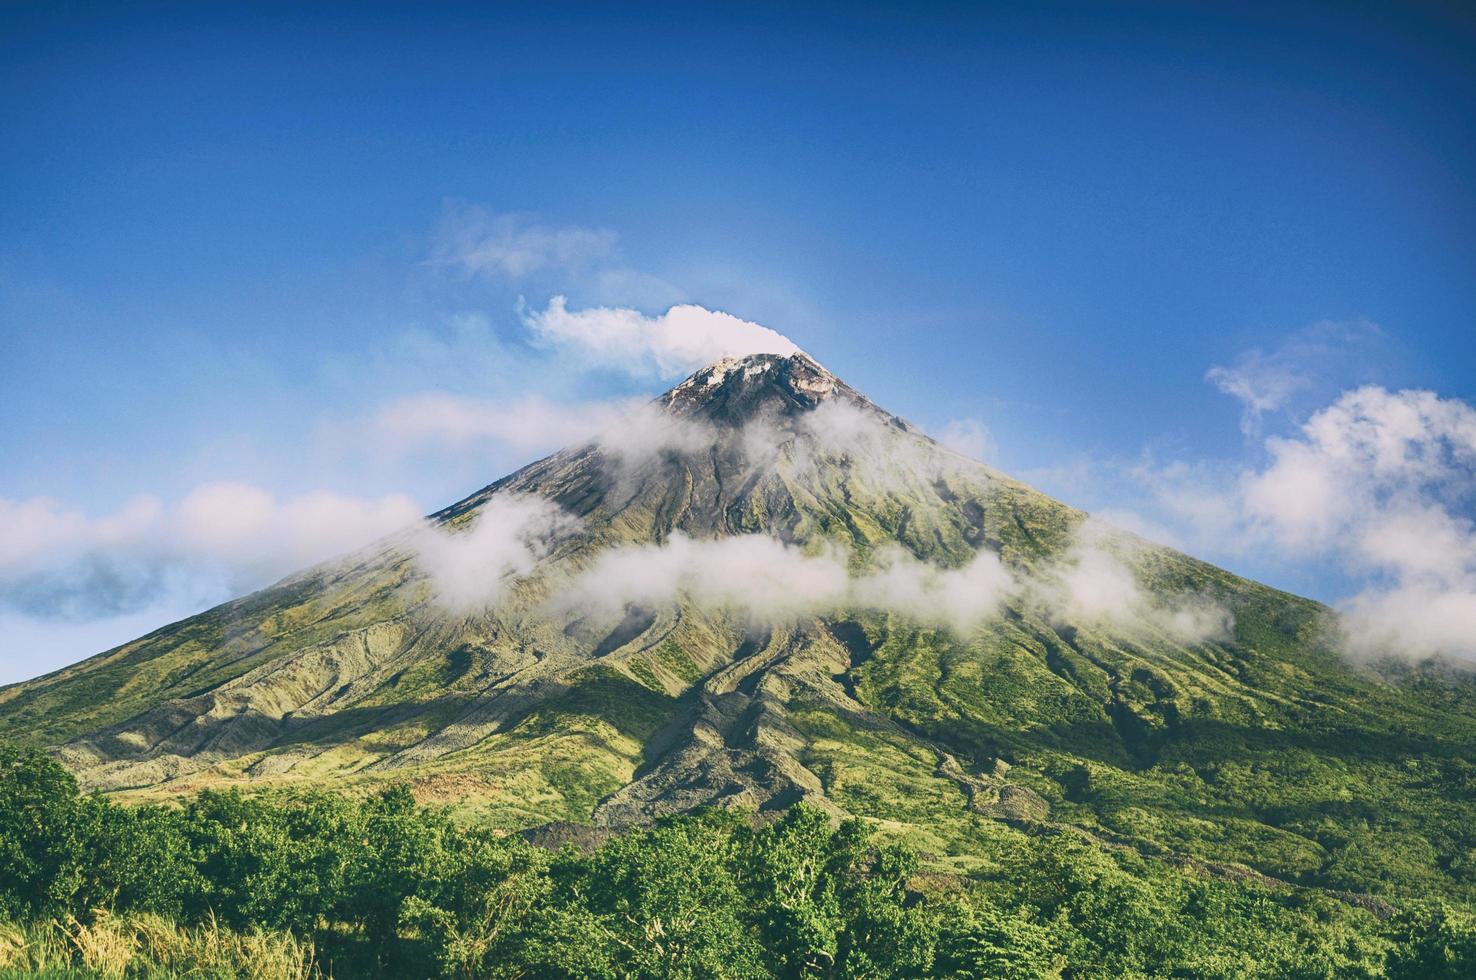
x: 383, y: 887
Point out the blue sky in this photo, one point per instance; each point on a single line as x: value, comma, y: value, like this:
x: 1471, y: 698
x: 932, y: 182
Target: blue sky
x: 234, y: 240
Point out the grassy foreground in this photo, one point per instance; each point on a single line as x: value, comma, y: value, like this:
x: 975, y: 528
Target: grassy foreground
x: 150, y: 945
x: 226, y: 885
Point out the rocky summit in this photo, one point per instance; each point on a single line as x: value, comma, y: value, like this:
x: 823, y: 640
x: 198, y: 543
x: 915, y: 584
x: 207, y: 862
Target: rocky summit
x: 763, y: 589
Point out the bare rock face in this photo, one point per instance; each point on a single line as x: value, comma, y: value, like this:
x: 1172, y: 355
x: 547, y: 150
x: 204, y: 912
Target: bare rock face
x: 536, y: 706
x: 764, y: 387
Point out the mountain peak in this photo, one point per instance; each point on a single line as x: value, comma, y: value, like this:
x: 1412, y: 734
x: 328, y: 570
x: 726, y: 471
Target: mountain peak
x: 735, y: 389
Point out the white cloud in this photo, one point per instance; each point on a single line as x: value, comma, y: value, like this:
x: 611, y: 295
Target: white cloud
x: 1378, y: 484
x: 768, y: 581
x: 1386, y: 480
x: 1413, y: 619
x: 1097, y: 586
x: 40, y: 534
x: 958, y: 597
x: 680, y: 340
x: 249, y: 529
x: 477, y: 242
x: 1418, y: 541
x: 1371, y: 455
x: 61, y: 562
x: 753, y: 574
x: 469, y: 568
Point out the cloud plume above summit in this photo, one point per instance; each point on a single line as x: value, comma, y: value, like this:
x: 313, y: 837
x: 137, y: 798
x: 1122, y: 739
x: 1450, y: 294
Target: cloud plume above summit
x: 682, y: 339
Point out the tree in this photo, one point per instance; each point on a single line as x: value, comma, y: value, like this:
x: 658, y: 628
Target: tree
x: 1436, y: 943
x: 667, y: 902
x: 45, y: 825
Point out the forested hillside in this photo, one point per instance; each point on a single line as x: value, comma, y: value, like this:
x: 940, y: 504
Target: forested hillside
x: 231, y: 886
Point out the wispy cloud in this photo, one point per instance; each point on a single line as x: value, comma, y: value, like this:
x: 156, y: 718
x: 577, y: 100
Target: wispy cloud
x: 474, y: 241
x: 470, y: 567
x: 523, y: 251
x: 1261, y: 384
x: 1267, y: 381
x: 1094, y: 584
x: 766, y: 581
x: 529, y: 424
x: 967, y: 437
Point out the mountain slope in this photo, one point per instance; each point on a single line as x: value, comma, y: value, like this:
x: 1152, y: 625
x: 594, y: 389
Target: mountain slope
x: 1085, y: 679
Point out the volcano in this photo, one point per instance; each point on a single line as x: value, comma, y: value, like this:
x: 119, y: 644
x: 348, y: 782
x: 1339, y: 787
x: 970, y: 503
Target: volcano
x: 760, y: 590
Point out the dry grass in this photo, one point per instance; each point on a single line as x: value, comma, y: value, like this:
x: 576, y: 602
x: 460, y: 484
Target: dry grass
x: 151, y: 946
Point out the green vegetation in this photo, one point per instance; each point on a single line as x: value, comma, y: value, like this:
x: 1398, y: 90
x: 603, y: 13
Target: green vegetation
x: 227, y: 885
x: 1266, y: 750
x: 1040, y: 794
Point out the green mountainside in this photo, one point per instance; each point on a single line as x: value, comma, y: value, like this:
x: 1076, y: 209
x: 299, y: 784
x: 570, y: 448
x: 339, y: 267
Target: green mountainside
x: 1212, y: 725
